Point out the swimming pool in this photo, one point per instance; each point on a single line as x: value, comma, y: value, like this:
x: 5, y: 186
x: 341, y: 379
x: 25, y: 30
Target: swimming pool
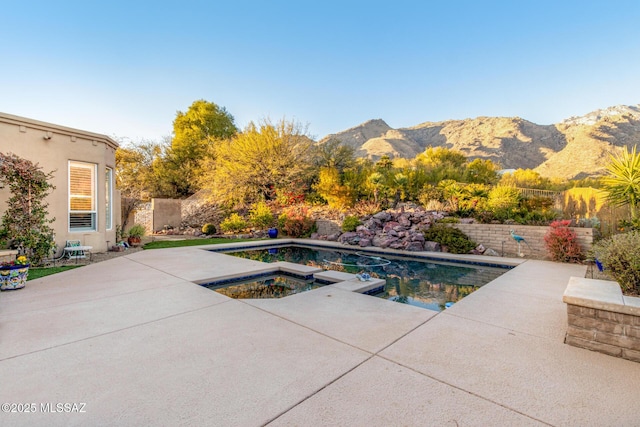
x: 409, y: 279
x: 264, y: 286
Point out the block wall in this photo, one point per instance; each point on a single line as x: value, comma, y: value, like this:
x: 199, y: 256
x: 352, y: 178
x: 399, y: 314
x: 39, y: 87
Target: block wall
x: 498, y: 238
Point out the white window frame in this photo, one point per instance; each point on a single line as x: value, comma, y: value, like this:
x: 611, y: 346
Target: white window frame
x: 94, y: 193
x: 108, y: 175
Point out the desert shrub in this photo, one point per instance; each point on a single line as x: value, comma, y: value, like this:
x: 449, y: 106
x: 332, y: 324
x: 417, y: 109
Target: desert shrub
x: 366, y: 207
x: 620, y: 256
x: 296, y: 222
x: 314, y: 198
x: 234, y: 223
x: 209, y: 229
x: 137, y: 230
x: 503, y: 201
x: 562, y: 242
x: 350, y: 223
x: 428, y: 194
x: 455, y: 240
x: 261, y: 216
x: 449, y: 220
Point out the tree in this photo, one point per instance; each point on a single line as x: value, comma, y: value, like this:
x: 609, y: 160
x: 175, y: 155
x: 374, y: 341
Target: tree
x: 441, y: 157
x: 622, y: 183
x: 259, y: 162
x: 135, y: 176
x: 25, y: 223
x: 333, y: 154
x: 195, y: 134
x: 524, y: 178
x: 481, y: 171
x: 331, y: 188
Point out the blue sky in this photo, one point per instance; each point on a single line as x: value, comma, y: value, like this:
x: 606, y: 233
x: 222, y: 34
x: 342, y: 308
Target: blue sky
x: 123, y: 68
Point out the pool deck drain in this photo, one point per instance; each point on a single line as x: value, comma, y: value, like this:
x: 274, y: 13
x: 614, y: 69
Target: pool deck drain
x: 139, y: 343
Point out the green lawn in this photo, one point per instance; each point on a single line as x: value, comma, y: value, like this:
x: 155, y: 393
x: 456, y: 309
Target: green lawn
x: 192, y: 242
x: 38, y: 272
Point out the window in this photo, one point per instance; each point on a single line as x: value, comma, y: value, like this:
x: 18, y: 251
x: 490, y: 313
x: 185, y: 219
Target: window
x: 82, y: 196
x: 108, y: 176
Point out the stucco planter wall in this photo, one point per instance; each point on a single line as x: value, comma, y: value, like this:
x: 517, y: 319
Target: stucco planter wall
x: 498, y: 238
x: 601, y: 319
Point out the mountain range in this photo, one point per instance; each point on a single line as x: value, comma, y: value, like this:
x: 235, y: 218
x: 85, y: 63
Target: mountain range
x: 575, y: 148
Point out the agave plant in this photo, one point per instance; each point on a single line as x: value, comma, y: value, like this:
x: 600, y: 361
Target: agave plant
x: 623, y: 182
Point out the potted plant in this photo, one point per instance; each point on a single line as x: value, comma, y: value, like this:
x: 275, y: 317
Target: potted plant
x: 135, y: 235
x: 13, y: 275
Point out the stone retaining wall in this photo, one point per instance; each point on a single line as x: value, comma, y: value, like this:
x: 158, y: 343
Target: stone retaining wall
x: 498, y: 238
x: 601, y: 319
x: 328, y: 227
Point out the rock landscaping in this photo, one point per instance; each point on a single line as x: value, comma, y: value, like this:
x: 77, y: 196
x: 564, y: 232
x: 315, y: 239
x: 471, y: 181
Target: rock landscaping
x: 401, y: 229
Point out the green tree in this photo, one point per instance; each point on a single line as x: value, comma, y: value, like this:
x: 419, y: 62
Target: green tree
x: 195, y: 133
x: 135, y: 177
x: 480, y: 171
x: 333, y: 154
x: 524, y: 178
x: 263, y: 160
x: 441, y: 157
x: 622, y: 183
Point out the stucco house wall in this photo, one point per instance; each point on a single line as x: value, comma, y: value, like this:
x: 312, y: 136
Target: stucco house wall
x: 53, y: 147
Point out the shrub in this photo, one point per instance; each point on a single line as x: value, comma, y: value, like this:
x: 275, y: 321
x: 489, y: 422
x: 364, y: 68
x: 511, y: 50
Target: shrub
x: 350, y: 223
x: 234, y: 223
x: 503, y: 201
x: 366, y: 207
x: 455, y: 240
x: 620, y: 256
x: 296, y: 222
x: 137, y: 230
x: 209, y: 229
x: 261, y: 216
x: 562, y: 242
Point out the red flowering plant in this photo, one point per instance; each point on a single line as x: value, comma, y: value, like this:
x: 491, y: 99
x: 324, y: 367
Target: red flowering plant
x: 562, y: 242
x: 19, y: 261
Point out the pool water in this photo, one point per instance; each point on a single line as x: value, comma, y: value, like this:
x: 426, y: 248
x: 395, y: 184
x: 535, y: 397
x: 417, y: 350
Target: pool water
x: 271, y: 286
x: 418, y: 282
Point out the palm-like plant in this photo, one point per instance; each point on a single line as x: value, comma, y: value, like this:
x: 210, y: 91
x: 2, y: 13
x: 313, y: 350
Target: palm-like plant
x: 623, y: 182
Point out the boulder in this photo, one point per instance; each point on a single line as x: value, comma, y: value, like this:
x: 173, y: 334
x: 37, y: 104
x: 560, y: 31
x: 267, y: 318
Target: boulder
x: 391, y: 225
x: 333, y: 237
x: 404, y: 220
x: 432, y: 247
x: 387, y: 242
x: 417, y: 237
x: 364, y: 242
x: 414, y: 247
x: 383, y: 216
x: 350, y: 238
x: 397, y: 245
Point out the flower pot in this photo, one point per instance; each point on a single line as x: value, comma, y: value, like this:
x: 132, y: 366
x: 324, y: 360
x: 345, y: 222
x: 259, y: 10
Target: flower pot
x: 273, y: 233
x: 134, y: 241
x: 13, y: 277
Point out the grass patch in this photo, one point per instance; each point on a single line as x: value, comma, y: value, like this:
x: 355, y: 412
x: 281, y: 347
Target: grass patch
x: 192, y: 242
x: 38, y: 272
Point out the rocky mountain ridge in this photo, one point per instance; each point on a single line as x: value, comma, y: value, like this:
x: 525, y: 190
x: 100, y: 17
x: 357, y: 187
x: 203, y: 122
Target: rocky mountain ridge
x: 574, y: 148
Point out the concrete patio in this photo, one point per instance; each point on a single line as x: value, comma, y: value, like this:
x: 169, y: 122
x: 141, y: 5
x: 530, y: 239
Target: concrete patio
x: 137, y: 342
